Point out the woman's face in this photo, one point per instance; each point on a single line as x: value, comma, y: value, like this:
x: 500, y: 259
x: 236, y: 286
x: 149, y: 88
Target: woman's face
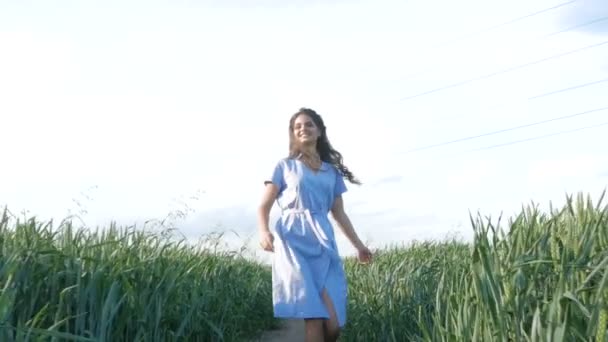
x: 305, y: 131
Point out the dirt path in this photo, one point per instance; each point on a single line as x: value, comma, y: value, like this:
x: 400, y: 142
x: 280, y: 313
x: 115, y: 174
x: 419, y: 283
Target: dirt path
x: 291, y: 331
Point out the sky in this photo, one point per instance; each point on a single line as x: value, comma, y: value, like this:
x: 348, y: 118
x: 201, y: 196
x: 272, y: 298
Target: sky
x: 131, y: 111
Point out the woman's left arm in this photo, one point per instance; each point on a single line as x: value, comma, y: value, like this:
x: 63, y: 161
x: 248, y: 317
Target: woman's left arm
x: 344, y: 223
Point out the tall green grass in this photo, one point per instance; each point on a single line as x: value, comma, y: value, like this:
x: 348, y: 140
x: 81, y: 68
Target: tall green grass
x: 122, y: 284
x: 544, y: 278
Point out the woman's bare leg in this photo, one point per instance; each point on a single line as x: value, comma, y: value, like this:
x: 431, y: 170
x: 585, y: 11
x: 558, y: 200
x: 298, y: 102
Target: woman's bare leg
x: 331, y: 327
x: 314, y: 330
x: 321, y: 329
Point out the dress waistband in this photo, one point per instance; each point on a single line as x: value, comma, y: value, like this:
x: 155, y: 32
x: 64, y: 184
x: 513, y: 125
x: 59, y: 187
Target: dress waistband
x: 300, y: 211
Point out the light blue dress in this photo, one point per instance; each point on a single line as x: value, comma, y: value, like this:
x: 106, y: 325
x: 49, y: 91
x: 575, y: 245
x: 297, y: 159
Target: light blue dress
x: 306, y: 258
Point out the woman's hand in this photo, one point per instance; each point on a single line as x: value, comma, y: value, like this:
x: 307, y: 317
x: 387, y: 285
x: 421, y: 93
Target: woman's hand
x: 267, y: 241
x: 364, y: 255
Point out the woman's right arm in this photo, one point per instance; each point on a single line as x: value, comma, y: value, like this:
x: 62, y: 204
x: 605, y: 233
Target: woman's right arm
x: 268, y: 198
x: 266, y: 237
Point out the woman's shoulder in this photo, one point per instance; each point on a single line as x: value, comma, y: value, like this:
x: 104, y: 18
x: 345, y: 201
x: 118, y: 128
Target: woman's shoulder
x: 332, y: 167
x: 285, y: 163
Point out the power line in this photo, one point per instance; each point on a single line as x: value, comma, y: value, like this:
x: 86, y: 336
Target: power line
x: 528, y: 139
x: 571, y: 28
x: 568, y: 89
x: 457, y: 84
x: 553, y: 92
x: 507, y: 22
x: 510, y: 129
x: 540, y: 137
x: 574, y: 27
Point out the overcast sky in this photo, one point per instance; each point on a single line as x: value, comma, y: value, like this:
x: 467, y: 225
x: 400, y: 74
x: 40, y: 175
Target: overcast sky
x: 131, y: 108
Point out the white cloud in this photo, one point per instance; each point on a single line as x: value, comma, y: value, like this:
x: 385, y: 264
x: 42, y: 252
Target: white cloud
x: 34, y: 64
x: 564, y: 170
x: 471, y: 176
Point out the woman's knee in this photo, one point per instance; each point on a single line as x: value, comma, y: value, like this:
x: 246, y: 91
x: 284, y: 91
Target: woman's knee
x: 314, y: 330
x: 313, y: 324
x: 332, y: 332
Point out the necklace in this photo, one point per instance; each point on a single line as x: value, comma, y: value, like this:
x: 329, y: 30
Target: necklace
x: 313, y: 162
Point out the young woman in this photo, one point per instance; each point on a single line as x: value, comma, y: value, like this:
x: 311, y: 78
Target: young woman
x: 308, y: 277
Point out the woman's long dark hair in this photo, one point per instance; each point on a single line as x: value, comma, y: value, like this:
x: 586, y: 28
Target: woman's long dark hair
x: 327, y: 153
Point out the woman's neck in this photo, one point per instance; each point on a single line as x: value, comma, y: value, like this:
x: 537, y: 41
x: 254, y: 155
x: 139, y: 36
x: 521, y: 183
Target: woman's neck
x: 309, y: 151
x: 311, y: 159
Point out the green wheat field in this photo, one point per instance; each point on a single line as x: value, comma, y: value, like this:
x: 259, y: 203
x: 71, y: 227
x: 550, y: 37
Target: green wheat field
x: 541, y: 276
